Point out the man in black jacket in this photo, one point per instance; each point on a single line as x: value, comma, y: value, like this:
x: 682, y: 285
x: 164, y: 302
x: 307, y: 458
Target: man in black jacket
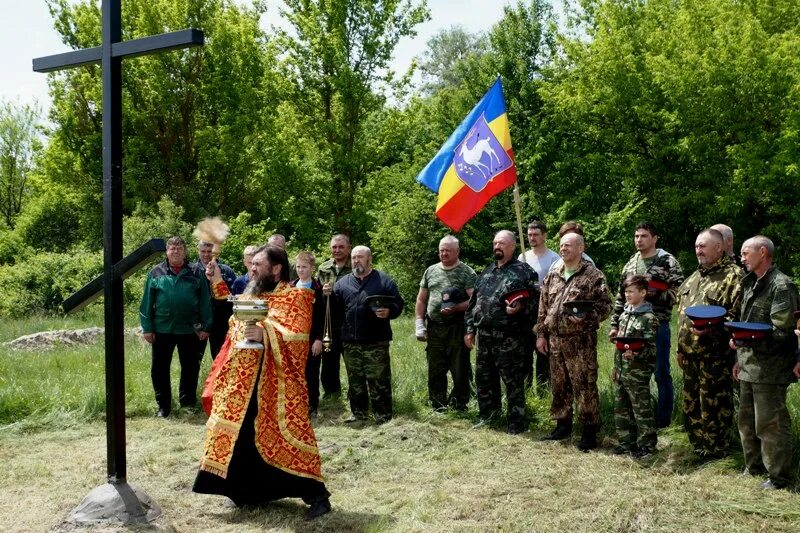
x: 221, y: 309
x: 366, y: 334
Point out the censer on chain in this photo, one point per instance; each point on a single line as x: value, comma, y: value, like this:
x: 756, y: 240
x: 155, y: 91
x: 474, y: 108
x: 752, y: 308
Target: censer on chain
x: 326, y: 335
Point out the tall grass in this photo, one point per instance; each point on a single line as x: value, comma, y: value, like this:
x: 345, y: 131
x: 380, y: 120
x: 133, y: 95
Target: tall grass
x: 66, y: 385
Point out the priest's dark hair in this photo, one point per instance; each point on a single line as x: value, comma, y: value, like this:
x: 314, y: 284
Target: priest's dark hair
x: 276, y: 256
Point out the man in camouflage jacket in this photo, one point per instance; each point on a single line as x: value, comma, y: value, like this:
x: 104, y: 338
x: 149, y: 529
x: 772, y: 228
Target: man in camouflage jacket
x: 571, y: 342
x: 704, y: 355
x: 665, y: 275
x: 766, y: 367
x: 500, y: 331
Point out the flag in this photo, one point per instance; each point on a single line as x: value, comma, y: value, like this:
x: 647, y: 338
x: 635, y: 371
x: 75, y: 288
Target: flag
x: 475, y: 164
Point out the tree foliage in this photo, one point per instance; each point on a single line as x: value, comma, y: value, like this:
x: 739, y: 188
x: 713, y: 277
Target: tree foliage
x: 337, y: 58
x: 19, y: 143
x: 681, y: 113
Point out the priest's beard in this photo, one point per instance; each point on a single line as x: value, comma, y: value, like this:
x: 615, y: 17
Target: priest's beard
x: 260, y: 286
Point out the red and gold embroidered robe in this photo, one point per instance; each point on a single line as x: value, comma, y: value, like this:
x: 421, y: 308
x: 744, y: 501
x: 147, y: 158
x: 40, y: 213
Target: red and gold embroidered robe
x: 284, y: 436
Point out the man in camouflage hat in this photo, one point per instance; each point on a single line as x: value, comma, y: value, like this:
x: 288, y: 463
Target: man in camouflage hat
x: 766, y: 367
x: 665, y: 276
x: 329, y: 273
x: 703, y: 354
x: 571, y: 341
x: 499, y: 324
x: 440, y: 322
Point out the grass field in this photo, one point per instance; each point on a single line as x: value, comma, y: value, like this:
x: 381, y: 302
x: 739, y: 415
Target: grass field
x: 421, y: 472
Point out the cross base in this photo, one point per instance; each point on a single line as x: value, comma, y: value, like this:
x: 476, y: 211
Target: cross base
x: 115, y: 503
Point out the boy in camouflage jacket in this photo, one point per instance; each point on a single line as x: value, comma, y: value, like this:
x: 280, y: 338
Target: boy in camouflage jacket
x: 633, y: 408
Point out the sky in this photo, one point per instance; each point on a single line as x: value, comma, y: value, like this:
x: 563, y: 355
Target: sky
x: 26, y: 31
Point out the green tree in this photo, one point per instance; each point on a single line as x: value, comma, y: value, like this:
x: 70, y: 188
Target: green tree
x: 442, y: 64
x: 337, y: 58
x: 19, y: 144
x: 690, y: 106
x: 192, y: 119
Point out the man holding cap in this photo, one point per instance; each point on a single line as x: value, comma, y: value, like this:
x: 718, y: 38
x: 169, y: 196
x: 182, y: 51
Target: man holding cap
x: 501, y: 308
x: 703, y: 353
x: 568, y: 334
x: 764, y: 367
x: 664, y: 276
x: 443, y: 297
x: 367, y: 299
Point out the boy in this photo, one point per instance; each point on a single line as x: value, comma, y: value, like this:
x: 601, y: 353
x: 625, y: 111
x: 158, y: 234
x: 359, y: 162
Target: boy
x: 304, y: 264
x: 634, y: 361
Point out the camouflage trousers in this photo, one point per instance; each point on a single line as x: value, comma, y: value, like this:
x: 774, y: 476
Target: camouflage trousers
x: 633, y: 407
x: 765, y: 429
x: 501, y: 355
x: 708, y: 401
x: 573, y: 377
x: 446, y: 352
x: 369, y: 378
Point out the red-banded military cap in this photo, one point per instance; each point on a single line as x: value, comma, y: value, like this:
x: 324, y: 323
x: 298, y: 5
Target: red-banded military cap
x: 742, y: 332
x: 704, y: 316
x: 634, y: 344
x: 516, y: 295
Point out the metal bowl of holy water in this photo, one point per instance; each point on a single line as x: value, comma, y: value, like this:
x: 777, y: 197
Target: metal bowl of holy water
x: 250, y: 312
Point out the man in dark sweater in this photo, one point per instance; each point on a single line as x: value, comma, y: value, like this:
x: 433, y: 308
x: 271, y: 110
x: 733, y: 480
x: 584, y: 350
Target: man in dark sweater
x: 366, y: 334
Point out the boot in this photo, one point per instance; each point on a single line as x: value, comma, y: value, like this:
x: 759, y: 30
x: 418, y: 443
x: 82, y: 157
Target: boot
x: 562, y: 431
x: 588, y: 438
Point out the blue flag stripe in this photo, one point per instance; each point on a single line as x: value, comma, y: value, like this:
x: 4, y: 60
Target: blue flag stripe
x: 492, y: 106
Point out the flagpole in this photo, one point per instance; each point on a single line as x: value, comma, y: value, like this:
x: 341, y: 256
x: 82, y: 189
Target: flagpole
x: 518, y: 209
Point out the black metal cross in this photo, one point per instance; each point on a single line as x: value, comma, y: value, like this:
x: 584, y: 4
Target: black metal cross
x: 109, y: 55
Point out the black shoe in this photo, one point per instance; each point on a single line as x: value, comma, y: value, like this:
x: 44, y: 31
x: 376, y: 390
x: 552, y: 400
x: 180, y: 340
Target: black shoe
x: 382, y: 419
x: 588, y: 438
x: 352, y: 419
x: 516, y: 429
x: 318, y: 508
x: 771, y: 484
x: 643, y: 452
x: 162, y: 413
x: 623, y: 449
x: 562, y: 431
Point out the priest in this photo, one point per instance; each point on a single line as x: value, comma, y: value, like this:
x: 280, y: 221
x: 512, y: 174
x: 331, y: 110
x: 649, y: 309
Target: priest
x: 260, y: 445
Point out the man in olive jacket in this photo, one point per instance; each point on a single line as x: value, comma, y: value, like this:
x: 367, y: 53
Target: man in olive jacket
x: 175, y: 311
x: 765, y: 367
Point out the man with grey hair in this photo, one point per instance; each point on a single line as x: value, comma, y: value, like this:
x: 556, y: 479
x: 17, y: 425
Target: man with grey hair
x: 367, y: 299
x: 279, y: 241
x: 241, y: 282
x: 501, y: 309
x: 727, y: 242
x: 221, y: 309
x: 766, y: 367
x: 443, y: 297
x: 569, y: 336
x: 703, y: 353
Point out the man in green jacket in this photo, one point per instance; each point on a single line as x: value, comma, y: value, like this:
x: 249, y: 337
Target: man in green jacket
x: 766, y: 367
x: 175, y: 311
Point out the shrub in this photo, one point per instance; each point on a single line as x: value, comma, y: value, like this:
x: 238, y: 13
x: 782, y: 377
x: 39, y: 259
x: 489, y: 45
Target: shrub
x: 41, y: 282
